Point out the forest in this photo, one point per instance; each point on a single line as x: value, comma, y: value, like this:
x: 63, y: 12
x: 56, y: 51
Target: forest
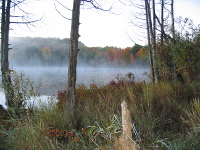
x: 28, y: 51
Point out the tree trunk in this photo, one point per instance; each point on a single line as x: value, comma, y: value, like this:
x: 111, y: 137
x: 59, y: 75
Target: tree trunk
x: 172, y: 14
x: 162, y: 23
x: 73, y: 52
x: 6, y: 78
x: 149, y: 33
x: 154, y: 24
x: 173, y: 68
x: 125, y: 141
x: 156, y: 75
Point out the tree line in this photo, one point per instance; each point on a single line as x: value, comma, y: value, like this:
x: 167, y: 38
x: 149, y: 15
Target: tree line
x: 37, y: 51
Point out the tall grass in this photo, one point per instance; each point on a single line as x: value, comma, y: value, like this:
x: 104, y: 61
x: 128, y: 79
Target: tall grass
x: 164, y: 115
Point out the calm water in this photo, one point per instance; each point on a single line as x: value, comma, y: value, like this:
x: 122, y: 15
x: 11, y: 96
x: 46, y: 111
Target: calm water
x: 53, y: 79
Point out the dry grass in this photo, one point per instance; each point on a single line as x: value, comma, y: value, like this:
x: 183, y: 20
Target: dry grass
x: 164, y: 116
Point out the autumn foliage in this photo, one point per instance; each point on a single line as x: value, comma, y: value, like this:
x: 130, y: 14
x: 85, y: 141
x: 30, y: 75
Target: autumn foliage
x: 53, y: 51
x: 63, y: 135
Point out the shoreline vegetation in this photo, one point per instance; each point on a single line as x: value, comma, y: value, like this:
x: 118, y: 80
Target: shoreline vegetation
x: 164, y: 115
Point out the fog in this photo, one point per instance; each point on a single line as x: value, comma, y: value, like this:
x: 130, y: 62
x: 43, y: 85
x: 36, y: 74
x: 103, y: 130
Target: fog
x: 50, y: 52
x: 44, y: 61
x: 53, y: 79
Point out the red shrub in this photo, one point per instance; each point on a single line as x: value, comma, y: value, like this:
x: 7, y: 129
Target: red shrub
x: 61, y: 96
x: 112, y: 83
x: 121, y: 83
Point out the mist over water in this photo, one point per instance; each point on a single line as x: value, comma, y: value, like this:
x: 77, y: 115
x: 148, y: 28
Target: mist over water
x: 28, y: 55
x: 53, y: 79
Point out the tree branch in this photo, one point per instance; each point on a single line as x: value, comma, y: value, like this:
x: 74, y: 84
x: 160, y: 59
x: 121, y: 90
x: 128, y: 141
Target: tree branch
x: 96, y: 5
x: 59, y: 11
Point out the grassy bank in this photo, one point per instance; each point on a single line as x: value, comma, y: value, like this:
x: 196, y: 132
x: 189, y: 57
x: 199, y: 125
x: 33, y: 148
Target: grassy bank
x: 164, y: 116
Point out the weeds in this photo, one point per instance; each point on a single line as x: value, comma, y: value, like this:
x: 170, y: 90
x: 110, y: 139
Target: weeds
x: 164, y: 116
x: 24, y: 90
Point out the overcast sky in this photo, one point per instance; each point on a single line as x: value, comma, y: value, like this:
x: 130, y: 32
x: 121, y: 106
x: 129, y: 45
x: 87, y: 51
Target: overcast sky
x: 97, y: 28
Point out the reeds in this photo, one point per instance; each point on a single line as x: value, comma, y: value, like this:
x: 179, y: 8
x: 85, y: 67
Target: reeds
x: 164, y: 116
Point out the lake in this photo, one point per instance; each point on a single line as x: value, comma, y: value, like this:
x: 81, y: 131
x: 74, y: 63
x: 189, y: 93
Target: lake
x: 53, y: 79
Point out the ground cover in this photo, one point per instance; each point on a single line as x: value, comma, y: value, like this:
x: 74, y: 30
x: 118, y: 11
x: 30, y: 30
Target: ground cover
x: 165, y: 115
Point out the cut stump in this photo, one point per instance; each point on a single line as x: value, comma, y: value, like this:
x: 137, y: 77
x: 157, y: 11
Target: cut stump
x: 125, y: 141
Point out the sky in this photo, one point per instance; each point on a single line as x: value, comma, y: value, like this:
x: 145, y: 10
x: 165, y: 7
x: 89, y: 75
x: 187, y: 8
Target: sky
x: 97, y: 28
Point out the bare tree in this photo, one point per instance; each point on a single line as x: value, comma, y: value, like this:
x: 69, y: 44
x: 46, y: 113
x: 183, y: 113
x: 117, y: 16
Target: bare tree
x: 172, y: 15
x: 6, y: 78
x: 73, y: 50
x: 6, y: 72
x: 149, y: 35
x: 162, y: 22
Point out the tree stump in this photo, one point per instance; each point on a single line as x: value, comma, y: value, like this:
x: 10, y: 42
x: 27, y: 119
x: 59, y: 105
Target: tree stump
x: 125, y: 141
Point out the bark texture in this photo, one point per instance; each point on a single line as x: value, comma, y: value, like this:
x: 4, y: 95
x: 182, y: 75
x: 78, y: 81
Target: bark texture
x: 6, y: 78
x: 150, y: 36
x: 73, y: 52
x: 125, y: 141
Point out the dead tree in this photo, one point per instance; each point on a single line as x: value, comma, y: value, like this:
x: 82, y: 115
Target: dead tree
x: 125, y: 141
x: 6, y: 78
x: 151, y: 36
x: 73, y: 52
x: 6, y: 73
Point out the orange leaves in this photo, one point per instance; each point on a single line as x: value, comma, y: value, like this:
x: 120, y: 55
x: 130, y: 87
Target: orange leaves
x: 127, y: 56
x: 66, y: 136
x: 142, y: 53
x: 119, y: 55
x: 63, y: 135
